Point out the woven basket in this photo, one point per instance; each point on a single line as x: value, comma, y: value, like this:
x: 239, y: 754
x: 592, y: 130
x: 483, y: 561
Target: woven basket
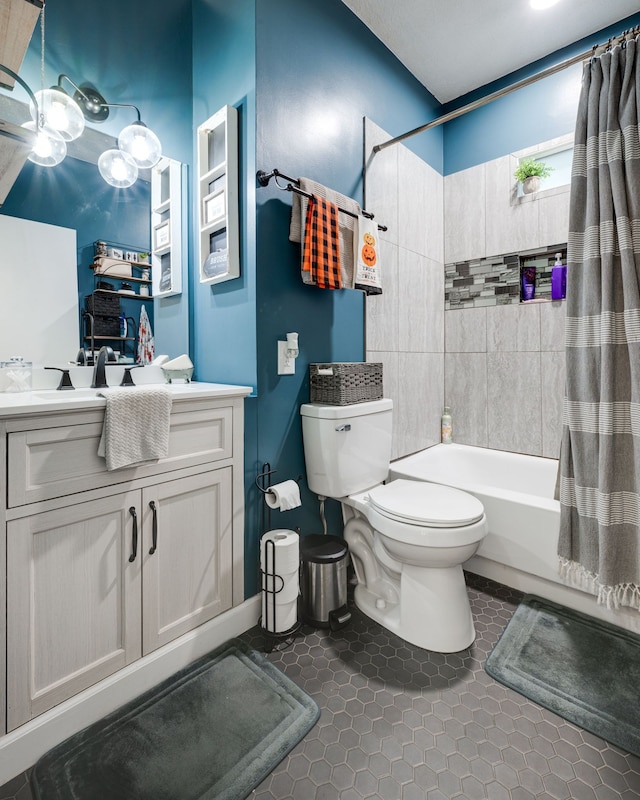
x: 105, y: 310
x: 340, y: 384
x: 104, y: 305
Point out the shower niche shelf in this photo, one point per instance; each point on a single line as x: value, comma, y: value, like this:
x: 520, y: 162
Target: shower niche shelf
x: 539, y: 263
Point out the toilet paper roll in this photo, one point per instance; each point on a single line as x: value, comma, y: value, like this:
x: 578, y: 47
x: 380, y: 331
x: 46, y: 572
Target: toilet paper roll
x: 283, y: 496
x: 286, y: 551
x: 287, y: 587
x: 285, y: 617
x: 284, y: 584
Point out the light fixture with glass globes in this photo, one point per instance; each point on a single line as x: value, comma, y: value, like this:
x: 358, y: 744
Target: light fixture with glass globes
x: 57, y: 119
x: 138, y: 145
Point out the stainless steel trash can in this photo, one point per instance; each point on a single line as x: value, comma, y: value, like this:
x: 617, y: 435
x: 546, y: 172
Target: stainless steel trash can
x: 323, y: 581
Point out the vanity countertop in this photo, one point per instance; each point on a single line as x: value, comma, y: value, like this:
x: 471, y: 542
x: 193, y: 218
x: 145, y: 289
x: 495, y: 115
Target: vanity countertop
x: 43, y: 401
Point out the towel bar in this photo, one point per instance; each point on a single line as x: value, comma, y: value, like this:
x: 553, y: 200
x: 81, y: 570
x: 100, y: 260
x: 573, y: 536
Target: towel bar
x: 264, y: 178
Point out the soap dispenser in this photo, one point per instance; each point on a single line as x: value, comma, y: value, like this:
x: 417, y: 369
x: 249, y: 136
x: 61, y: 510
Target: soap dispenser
x: 559, y: 279
x: 446, y: 426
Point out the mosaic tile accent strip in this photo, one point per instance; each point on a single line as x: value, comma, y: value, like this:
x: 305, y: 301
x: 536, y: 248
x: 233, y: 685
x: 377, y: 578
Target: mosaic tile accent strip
x: 495, y: 281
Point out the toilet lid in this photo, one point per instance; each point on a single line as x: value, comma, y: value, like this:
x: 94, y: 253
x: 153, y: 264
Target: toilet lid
x: 429, y: 504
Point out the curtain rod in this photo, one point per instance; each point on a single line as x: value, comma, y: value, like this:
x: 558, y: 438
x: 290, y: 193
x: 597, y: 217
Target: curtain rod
x: 293, y: 186
x: 569, y: 62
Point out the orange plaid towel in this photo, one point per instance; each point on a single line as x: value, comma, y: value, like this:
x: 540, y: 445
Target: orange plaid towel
x: 321, y: 248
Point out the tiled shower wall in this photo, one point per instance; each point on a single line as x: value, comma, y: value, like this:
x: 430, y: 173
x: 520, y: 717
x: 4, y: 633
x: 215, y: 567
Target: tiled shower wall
x: 500, y: 368
x: 504, y: 376
x: 504, y: 364
x: 405, y: 324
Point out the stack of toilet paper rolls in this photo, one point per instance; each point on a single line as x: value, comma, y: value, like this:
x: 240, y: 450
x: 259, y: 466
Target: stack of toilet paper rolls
x: 279, y: 566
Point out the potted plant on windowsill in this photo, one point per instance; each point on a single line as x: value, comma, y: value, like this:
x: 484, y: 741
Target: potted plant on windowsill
x: 529, y: 172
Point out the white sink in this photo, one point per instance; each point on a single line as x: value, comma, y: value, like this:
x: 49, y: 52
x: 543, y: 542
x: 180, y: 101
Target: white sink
x: 66, y: 394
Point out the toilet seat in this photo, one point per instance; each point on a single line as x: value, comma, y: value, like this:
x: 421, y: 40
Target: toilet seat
x: 426, y: 504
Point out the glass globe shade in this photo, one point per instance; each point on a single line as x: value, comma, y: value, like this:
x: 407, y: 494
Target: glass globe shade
x: 61, y: 113
x: 118, y: 168
x: 49, y: 149
x: 141, y: 144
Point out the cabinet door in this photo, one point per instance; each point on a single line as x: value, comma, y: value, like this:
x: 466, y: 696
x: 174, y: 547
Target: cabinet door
x: 187, y: 577
x: 73, y: 601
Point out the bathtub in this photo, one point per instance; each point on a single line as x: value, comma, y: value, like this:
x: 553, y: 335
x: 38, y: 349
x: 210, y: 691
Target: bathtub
x: 520, y: 549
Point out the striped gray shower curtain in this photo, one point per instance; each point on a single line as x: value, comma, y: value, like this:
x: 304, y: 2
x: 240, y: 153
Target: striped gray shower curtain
x: 599, y: 481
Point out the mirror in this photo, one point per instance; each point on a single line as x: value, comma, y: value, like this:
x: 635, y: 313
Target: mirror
x: 70, y: 196
x: 39, y: 298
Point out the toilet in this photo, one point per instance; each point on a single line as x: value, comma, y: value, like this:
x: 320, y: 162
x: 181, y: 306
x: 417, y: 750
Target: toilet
x: 407, y: 539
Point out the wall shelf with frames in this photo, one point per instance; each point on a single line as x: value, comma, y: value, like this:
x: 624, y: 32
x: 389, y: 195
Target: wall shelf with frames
x: 166, y: 227
x: 218, y: 214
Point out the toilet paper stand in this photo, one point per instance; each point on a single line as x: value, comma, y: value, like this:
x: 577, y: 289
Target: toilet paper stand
x: 272, y: 583
x: 269, y: 576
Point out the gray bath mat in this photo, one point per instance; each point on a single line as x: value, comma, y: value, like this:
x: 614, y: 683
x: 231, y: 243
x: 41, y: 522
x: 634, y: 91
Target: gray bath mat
x: 214, y: 730
x: 583, y: 669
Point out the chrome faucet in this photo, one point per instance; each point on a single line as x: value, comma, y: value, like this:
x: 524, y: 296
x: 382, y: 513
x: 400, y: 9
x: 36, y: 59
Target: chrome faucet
x: 99, y: 370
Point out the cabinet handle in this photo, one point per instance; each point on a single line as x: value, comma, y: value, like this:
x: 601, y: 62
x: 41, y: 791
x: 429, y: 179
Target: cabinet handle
x: 134, y: 552
x: 154, y: 510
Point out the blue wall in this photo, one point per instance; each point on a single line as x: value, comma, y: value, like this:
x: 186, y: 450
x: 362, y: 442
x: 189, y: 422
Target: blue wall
x: 319, y: 72
x: 536, y: 113
x: 224, y: 326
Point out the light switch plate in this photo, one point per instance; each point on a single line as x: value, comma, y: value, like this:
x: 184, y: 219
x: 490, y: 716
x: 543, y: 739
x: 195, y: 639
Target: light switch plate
x: 286, y: 366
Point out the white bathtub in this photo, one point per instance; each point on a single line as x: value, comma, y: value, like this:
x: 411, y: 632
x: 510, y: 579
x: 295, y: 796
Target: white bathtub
x: 516, y: 490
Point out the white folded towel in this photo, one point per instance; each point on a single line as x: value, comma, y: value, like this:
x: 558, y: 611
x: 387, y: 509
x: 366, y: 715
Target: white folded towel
x: 136, y: 425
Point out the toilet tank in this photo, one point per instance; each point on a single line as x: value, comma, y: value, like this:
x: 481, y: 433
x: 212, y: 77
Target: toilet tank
x: 347, y: 449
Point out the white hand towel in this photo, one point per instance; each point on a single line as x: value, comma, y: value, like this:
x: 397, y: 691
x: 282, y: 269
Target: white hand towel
x: 136, y: 425
x: 366, y: 255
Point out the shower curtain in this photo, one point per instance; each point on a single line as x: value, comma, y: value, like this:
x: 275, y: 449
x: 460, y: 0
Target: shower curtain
x: 599, y: 480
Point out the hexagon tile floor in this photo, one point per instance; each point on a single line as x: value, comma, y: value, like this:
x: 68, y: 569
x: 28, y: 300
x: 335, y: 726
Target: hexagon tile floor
x: 401, y: 723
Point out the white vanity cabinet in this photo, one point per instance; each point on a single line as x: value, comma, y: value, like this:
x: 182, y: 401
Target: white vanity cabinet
x: 73, y: 602
x: 104, y: 568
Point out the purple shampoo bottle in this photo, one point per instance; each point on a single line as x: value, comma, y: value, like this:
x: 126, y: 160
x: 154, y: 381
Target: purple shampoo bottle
x: 558, y: 279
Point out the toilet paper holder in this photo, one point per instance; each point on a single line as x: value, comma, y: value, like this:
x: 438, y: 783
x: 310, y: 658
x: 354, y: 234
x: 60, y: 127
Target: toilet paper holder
x: 262, y: 482
x: 262, y: 478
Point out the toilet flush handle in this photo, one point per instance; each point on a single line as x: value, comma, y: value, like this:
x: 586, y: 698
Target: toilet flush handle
x: 343, y: 428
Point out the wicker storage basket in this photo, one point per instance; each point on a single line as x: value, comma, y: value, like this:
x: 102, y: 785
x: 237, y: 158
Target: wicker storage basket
x: 340, y: 384
x: 105, y: 310
x: 105, y: 305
